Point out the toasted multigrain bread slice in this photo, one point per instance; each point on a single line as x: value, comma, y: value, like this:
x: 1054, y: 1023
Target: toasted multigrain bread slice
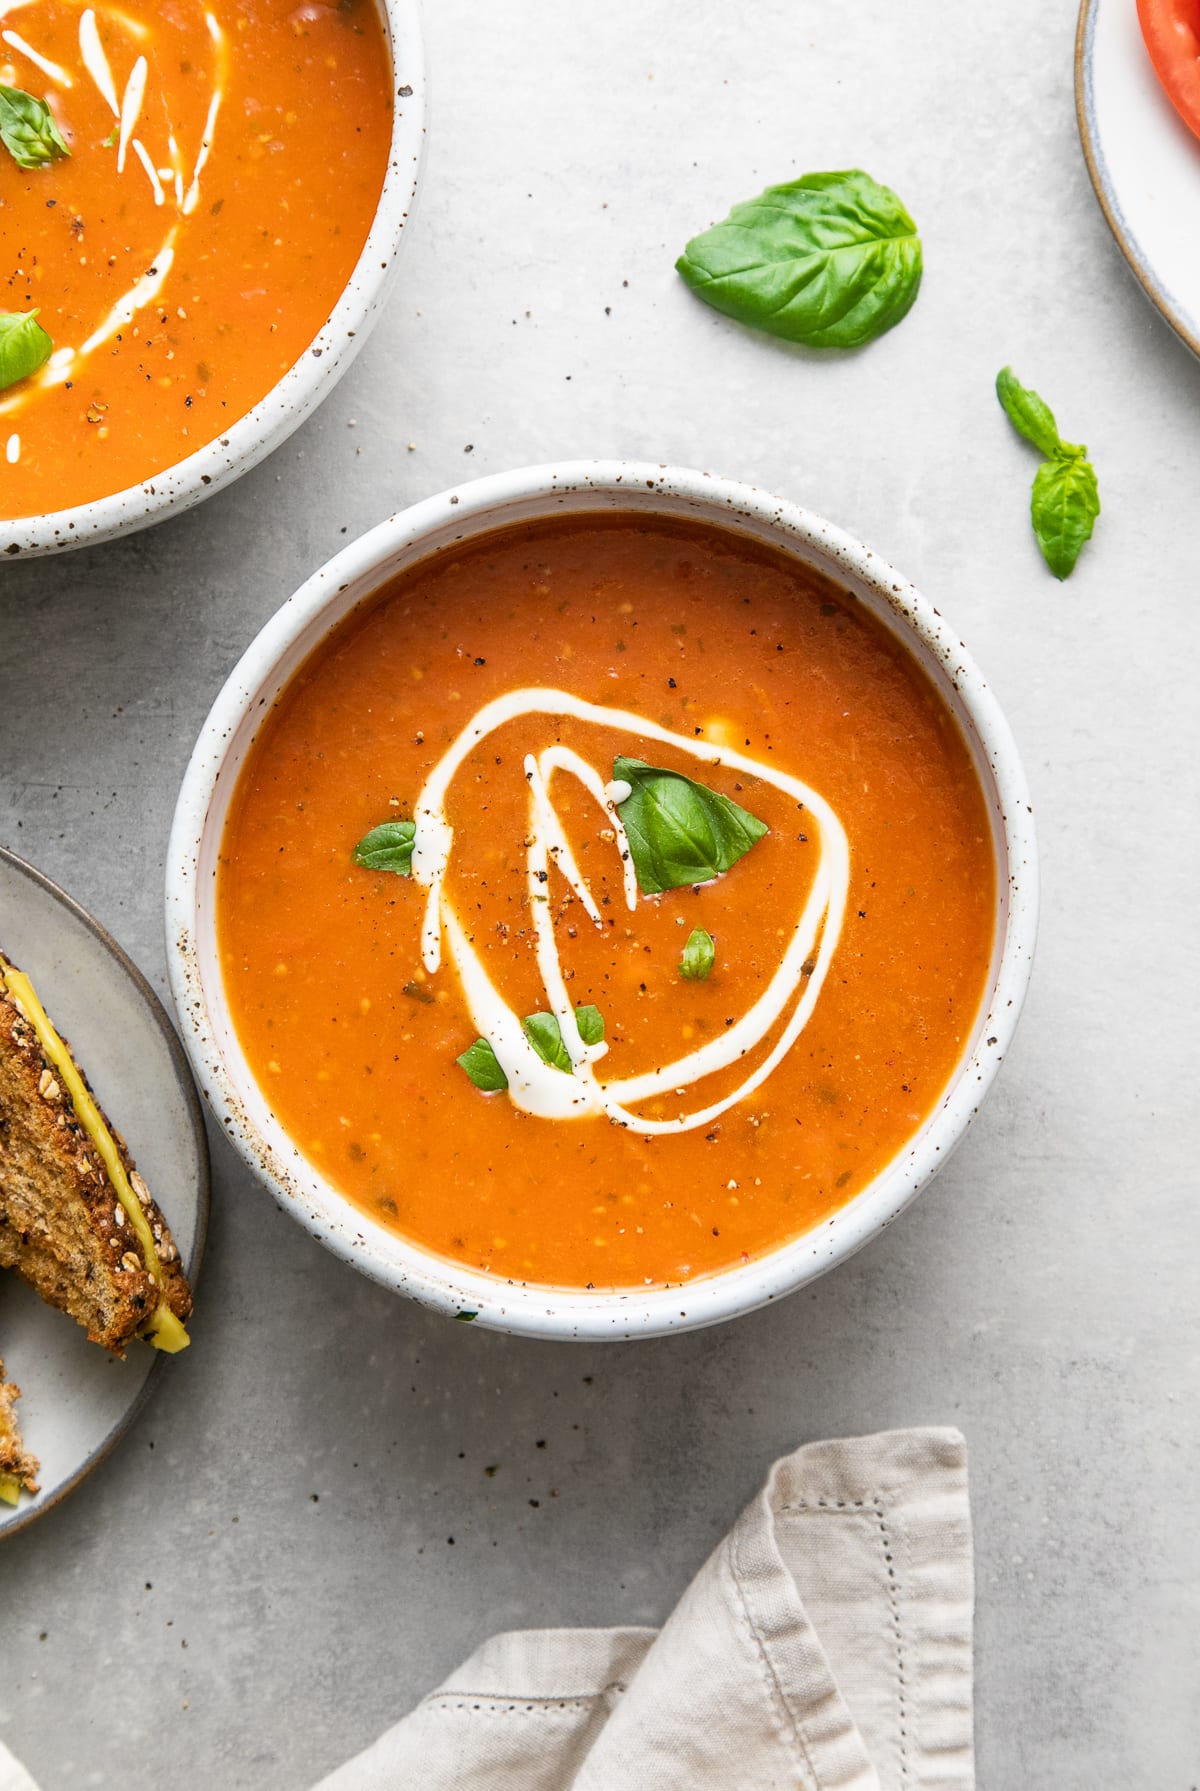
x: 62, y: 1226
x: 17, y: 1467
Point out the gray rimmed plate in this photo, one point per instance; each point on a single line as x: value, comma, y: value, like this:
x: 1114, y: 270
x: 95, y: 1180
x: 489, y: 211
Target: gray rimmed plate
x: 77, y: 1400
x: 1143, y: 160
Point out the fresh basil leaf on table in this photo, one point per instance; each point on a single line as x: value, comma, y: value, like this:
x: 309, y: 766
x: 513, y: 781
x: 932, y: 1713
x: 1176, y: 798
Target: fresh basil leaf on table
x: 24, y: 346
x: 679, y: 832
x: 699, y: 956
x: 1066, y: 498
x: 388, y: 847
x: 1064, y: 507
x: 28, y: 130
x: 830, y: 260
x: 1030, y: 415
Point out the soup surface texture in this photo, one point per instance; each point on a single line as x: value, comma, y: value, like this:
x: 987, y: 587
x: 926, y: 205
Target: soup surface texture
x: 493, y: 697
x: 225, y: 160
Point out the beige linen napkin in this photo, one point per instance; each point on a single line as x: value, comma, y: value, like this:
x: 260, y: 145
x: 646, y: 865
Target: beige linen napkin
x: 824, y: 1646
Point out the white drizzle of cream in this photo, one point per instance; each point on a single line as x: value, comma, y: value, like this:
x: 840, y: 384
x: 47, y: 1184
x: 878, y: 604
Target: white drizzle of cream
x: 51, y: 70
x: 143, y: 157
x: 177, y: 166
x: 131, y: 106
x: 537, y: 1087
x: 12, y: 449
x: 96, y: 62
x: 143, y: 292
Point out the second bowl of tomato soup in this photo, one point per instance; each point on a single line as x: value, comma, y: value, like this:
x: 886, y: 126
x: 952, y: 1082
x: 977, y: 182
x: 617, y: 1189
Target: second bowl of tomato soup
x: 202, y: 206
x: 600, y: 898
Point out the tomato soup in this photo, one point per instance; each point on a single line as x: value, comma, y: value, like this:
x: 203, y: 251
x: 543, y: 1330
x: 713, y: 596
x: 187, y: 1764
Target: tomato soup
x: 219, y: 169
x: 606, y: 902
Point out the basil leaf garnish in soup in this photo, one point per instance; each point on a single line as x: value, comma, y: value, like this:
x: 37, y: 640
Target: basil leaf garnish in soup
x: 699, y: 956
x: 830, y: 260
x: 1066, y: 498
x: 679, y: 831
x: 388, y: 847
x: 483, y: 1067
x: 545, y: 1035
x: 24, y: 346
x: 28, y: 130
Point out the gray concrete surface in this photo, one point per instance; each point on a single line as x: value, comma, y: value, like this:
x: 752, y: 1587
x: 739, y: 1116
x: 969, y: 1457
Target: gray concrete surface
x: 298, y: 1538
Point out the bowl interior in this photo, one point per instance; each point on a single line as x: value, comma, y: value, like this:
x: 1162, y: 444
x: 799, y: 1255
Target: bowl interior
x: 299, y: 628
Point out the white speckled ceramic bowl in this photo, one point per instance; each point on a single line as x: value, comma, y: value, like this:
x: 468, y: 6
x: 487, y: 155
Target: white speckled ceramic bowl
x: 299, y: 627
x: 312, y: 377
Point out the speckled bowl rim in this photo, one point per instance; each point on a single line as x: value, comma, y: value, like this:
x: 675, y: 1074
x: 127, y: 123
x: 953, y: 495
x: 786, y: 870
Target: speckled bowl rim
x: 1163, y: 300
x: 309, y: 380
x: 28, y: 1515
x: 294, y: 631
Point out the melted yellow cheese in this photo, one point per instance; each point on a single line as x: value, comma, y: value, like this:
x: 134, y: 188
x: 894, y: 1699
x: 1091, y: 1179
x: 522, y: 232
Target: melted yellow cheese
x: 163, y: 1329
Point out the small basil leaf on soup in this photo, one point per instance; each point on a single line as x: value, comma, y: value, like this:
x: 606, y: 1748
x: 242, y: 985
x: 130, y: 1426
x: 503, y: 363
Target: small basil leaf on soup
x: 28, y: 130
x: 699, y: 956
x: 830, y: 260
x: 24, y: 346
x: 1028, y: 413
x: 483, y: 1067
x: 388, y: 847
x: 1064, y: 508
x: 545, y: 1035
x: 679, y: 831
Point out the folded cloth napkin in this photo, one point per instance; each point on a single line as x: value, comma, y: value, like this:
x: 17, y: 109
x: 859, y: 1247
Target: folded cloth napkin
x: 824, y: 1646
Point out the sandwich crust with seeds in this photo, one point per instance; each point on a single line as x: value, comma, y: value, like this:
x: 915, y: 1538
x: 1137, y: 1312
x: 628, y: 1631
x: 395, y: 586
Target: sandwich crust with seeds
x: 63, y: 1226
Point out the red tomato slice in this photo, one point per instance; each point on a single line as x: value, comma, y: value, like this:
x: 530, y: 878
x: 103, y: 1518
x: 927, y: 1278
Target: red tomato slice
x: 1171, y: 29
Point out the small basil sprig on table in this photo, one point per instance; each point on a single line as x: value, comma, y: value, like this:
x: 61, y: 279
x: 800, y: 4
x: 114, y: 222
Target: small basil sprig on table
x: 1066, y: 499
x: 28, y: 130
x: 388, y: 847
x: 830, y: 260
x: 699, y: 956
x: 679, y: 832
x: 24, y: 346
x: 545, y: 1035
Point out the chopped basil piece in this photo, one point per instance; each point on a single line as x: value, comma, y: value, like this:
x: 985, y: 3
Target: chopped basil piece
x: 483, y: 1067
x: 28, y: 130
x: 831, y: 260
x: 466, y: 1318
x: 388, y: 847
x: 1066, y: 499
x: 679, y: 832
x: 24, y: 346
x: 699, y: 956
x: 545, y: 1035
